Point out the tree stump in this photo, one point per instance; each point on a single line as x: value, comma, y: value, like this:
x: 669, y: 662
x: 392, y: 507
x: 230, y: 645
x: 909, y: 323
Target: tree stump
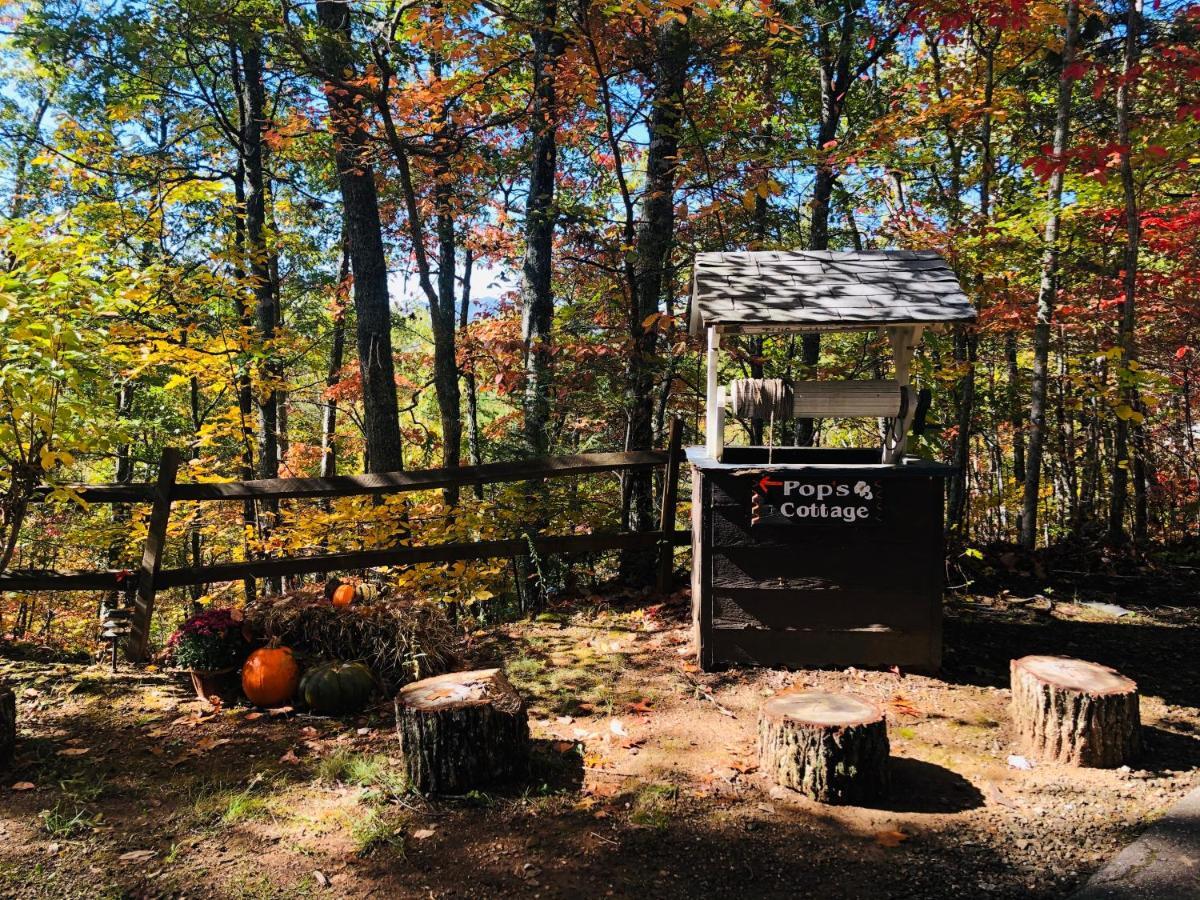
x: 8, y: 725
x: 1074, y: 712
x: 461, y: 731
x: 830, y: 747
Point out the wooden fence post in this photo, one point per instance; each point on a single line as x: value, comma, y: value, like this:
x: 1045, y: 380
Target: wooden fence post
x: 670, y: 497
x: 156, y: 539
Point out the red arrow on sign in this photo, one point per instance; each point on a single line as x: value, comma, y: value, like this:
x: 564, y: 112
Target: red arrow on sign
x: 767, y: 482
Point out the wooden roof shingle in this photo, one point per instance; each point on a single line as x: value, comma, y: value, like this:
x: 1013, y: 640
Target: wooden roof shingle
x: 824, y: 290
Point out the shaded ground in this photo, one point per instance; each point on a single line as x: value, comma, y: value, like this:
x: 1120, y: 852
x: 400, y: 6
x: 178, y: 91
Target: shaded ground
x: 645, y: 783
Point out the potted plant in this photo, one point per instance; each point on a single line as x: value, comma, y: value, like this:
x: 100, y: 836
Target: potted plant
x: 211, y: 647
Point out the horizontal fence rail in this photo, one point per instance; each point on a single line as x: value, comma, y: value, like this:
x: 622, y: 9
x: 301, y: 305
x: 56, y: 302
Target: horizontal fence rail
x: 381, y: 483
x: 150, y: 577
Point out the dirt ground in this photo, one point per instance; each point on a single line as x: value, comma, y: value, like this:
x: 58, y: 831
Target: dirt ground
x: 644, y: 781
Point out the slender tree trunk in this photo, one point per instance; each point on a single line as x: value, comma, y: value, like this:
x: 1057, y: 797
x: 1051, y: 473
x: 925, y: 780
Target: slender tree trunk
x: 1016, y: 413
x: 834, y: 70
x: 364, y: 239
x: 537, y: 298
x: 333, y: 375
x: 245, y: 390
x: 1048, y: 288
x: 265, y: 310
x: 655, y: 236
x: 24, y: 151
x: 1128, y: 325
x: 464, y: 319
x: 445, y: 364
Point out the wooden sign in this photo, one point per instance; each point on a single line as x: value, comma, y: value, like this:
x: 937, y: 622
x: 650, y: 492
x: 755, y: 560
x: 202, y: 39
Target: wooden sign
x: 833, y: 501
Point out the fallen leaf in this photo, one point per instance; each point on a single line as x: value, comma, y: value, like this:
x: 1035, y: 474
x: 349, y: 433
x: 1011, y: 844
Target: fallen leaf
x: 137, y: 855
x: 321, y: 878
x: 251, y: 716
x: 901, y: 705
x: 73, y: 751
x: 641, y: 708
x: 890, y: 838
x: 422, y: 833
x: 193, y: 719
x: 308, y: 731
x: 290, y: 758
x: 24, y: 786
x: 280, y: 711
x: 209, y: 743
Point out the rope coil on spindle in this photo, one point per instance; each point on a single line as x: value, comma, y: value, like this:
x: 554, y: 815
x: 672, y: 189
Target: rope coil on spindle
x: 761, y: 398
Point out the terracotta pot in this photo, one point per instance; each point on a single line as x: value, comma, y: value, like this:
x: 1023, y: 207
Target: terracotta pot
x: 223, y: 685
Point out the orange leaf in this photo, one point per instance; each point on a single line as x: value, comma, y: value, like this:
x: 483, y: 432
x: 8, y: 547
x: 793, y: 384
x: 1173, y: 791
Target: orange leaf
x: 890, y: 838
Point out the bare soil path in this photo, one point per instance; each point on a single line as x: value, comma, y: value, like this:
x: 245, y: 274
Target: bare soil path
x: 645, y: 782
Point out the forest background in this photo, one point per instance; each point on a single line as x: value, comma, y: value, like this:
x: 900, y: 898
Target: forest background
x: 298, y: 239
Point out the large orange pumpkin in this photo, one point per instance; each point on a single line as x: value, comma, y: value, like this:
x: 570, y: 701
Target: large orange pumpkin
x: 270, y: 676
x: 344, y: 595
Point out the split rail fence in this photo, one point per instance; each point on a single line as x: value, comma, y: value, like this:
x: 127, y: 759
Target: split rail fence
x: 161, y: 493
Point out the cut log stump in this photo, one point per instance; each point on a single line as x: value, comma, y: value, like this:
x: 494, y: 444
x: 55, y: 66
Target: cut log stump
x: 830, y: 747
x: 1075, y: 713
x: 461, y: 731
x: 8, y: 725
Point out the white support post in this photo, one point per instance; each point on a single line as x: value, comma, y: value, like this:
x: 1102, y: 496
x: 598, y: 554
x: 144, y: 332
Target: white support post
x: 904, y: 341
x: 714, y: 430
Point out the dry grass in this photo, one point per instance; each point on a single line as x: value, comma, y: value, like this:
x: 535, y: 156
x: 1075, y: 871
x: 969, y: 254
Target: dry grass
x: 400, y: 641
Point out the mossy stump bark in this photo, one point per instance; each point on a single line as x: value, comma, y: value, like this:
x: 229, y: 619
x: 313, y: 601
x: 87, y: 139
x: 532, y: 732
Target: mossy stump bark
x: 8, y: 725
x: 1075, y: 713
x: 830, y: 747
x: 462, y: 731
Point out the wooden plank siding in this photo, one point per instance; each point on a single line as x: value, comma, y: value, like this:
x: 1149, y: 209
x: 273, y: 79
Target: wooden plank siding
x: 799, y: 594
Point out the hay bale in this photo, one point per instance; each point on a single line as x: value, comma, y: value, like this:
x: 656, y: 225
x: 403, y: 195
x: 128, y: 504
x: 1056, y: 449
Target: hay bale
x: 400, y: 640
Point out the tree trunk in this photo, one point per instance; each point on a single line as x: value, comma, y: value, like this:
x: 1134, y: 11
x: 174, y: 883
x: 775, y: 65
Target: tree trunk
x: 333, y: 374
x: 464, y: 319
x: 1075, y: 713
x: 1128, y: 324
x: 1015, y: 413
x: 1048, y: 289
x: 462, y: 731
x: 265, y: 311
x: 655, y: 236
x: 537, y: 297
x: 8, y: 725
x: 445, y: 364
x: 834, y: 69
x: 830, y: 747
x: 245, y: 392
x: 364, y: 240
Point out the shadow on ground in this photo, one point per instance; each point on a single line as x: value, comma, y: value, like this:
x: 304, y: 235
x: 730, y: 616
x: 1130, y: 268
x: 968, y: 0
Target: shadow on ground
x: 1161, y: 659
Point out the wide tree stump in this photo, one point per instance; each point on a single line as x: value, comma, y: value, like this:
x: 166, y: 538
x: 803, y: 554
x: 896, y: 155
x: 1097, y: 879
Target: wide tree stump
x: 8, y: 725
x: 461, y: 731
x: 1074, y: 712
x: 830, y: 747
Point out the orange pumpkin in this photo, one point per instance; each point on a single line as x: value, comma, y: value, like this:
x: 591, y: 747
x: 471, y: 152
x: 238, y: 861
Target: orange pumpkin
x: 270, y: 676
x: 344, y: 595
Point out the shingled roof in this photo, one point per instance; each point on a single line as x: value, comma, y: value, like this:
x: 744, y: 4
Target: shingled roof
x: 824, y: 290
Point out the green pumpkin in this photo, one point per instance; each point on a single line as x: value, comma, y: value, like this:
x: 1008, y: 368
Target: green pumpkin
x: 336, y: 688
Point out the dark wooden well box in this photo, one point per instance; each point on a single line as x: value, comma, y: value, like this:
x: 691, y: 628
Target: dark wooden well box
x: 822, y: 557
